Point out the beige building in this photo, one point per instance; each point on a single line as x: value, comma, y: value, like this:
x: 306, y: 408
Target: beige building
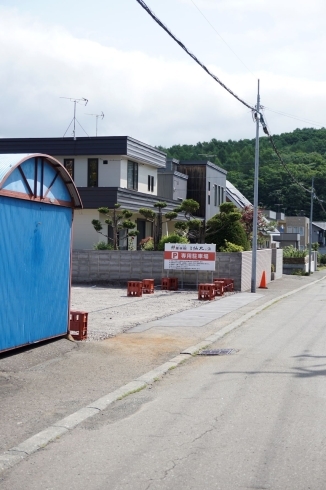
x: 298, y: 225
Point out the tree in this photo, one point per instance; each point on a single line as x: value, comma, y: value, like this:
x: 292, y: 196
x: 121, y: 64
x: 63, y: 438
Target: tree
x: 226, y: 226
x: 263, y: 225
x: 118, y: 221
x: 192, y: 228
x: 157, y: 219
x: 304, y: 154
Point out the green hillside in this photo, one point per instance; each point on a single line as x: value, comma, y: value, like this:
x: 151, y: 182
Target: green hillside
x: 303, y: 151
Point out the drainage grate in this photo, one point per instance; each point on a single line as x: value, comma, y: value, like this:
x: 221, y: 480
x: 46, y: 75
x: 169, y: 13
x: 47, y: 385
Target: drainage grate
x: 218, y: 352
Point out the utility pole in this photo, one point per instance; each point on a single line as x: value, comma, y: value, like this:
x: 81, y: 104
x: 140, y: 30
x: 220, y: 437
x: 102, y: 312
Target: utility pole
x: 310, y: 224
x: 255, y: 213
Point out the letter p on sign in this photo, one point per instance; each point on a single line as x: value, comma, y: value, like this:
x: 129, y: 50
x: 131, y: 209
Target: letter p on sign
x: 175, y: 255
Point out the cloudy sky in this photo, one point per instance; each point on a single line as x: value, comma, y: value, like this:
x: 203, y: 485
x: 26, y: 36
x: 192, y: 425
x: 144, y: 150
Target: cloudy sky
x: 116, y: 56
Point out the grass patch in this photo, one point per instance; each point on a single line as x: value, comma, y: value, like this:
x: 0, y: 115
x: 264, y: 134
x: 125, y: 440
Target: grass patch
x: 131, y: 392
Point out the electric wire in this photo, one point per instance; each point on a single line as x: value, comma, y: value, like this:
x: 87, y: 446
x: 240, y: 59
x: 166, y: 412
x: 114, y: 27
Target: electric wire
x: 255, y: 111
x: 293, y: 178
x: 294, y: 117
x: 146, y: 8
x: 219, y: 35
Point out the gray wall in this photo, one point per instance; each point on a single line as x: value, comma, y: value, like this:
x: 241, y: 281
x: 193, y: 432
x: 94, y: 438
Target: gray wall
x: 277, y: 261
x: 171, y: 185
x: 215, y: 178
x: 91, y: 266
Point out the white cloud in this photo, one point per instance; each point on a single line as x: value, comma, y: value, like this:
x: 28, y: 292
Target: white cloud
x: 150, y: 98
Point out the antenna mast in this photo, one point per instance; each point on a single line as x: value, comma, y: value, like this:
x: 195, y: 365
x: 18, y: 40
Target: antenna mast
x: 75, y: 101
x: 97, y: 116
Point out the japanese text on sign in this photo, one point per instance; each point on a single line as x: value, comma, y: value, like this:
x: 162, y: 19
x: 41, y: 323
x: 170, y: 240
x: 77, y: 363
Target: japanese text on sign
x: 190, y: 256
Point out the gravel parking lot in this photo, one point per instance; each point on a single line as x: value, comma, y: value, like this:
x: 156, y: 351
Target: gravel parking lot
x: 111, y: 311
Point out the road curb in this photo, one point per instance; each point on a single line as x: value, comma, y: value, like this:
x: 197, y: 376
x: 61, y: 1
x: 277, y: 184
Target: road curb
x: 16, y: 454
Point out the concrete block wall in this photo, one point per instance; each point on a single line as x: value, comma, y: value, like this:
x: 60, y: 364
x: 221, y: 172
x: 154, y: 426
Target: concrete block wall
x: 264, y: 260
x: 118, y: 267
x: 277, y: 261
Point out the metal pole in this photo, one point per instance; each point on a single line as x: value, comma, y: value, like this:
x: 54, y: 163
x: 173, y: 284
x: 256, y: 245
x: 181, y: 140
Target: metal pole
x: 310, y: 224
x: 75, y: 102
x: 255, y: 213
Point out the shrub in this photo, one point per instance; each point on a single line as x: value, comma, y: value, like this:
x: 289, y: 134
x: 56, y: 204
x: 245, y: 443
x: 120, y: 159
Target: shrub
x: 291, y: 252
x: 148, y: 246
x: 103, y: 246
x: 231, y: 247
x: 226, y: 225
x: 323, y: 259
x: 171, y: 239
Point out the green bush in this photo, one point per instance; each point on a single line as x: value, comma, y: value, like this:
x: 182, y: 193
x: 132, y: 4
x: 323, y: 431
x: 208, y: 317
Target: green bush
x: 322, y: 259
x: 291, y: 252
x: 148, y: 246
x: 226, y: 225
x: 171, y: 239
x: 231, y: 247
x: 103, y: 246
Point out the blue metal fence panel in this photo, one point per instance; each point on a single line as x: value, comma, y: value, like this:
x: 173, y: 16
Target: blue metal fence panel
x: 34, y: 271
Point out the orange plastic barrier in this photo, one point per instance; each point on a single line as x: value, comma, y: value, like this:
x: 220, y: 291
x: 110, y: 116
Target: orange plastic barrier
x: 219, y: 288
x: 206, y: 291
x: 228, y: 283
x: 78, y: 325
x: 135, y: 288
x: 169, y: 283
x: 148, y: 286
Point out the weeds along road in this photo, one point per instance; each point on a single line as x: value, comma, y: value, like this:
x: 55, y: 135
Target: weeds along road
x: 251, y: 420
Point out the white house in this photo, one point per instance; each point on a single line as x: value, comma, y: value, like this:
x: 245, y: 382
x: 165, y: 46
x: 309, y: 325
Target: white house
x: 106, y: 170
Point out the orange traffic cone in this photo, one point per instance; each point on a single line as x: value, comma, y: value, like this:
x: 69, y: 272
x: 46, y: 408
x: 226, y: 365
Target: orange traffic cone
x: 263, y: 281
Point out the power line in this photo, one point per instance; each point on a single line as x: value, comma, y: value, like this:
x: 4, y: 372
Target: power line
x: 294, y: 179
x: 255, y: 111
x: 219, y: 35
x: 294, y: 117
x: 145, y: 7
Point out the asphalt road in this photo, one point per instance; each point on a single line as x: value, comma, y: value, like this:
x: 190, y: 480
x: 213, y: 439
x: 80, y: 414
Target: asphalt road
x: 251, y: 420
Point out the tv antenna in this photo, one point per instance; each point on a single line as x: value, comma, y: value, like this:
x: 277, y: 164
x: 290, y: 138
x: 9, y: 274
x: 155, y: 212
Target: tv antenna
x: 97, y: 116
x: 75, y: 101
x: 207, y: 155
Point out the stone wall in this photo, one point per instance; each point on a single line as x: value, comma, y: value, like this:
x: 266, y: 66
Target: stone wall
x: 118, y: 267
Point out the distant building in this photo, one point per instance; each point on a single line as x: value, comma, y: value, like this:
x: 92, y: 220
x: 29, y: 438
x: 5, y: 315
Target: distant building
x: 206, y: 185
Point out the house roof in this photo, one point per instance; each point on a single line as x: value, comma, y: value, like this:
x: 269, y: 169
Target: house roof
x: 9, y: 162
x: 92, y: 146
x: 95, y: 197
x: 236, y: 196
x: 205, y: 163
x: 320, y: 224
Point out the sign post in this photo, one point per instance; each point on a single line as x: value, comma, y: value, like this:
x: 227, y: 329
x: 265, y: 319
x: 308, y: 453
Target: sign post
x: 190, y: 256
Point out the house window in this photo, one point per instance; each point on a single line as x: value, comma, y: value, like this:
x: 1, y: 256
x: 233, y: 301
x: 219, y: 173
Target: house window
x: 295, y: 229
x: 92, y: 172
x: 215, y: 195
x: 150, y: 183
x: 132, y: 176
x: 69, y: 164
x: 219, y: 195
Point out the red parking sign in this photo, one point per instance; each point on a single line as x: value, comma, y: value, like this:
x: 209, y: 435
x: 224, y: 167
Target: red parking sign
x: 188, y: 256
